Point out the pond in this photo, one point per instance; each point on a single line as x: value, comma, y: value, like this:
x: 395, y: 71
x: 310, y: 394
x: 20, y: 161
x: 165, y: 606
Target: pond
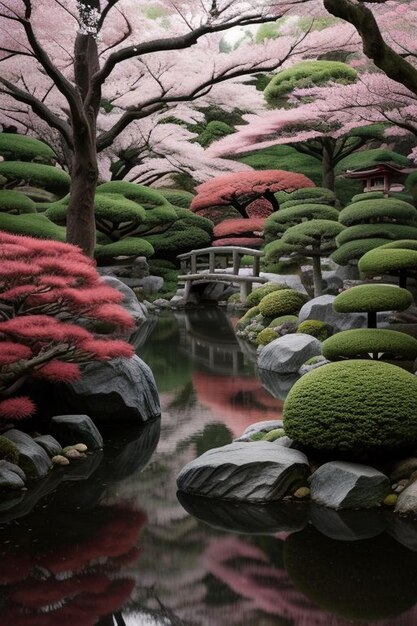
x: 110, y: 543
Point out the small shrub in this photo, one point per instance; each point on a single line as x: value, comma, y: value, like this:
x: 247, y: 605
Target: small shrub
x: 283, y: 319
x: 281, y: 302
x: 372, y: 298
x: 315, y: 328
x: 363, y: 342
x: 257, y: 294
x: 266, y: 336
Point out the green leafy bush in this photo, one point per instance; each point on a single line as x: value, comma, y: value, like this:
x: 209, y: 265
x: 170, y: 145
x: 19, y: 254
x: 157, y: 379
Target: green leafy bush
x: 15, y: 147
x: 281, y: 302
x: 15, y: 202
x: 291, y: 203
x: 266, y: 336
x: 281, y: 220
x: 406, y: 244
x: 363, y: 342
x: 316, y: 328
x: 370, y: 195
x: 372, y: 298
x: 257, y: 294
x: 44, y: 176
x: 353, y: 406
x: 113, y: 208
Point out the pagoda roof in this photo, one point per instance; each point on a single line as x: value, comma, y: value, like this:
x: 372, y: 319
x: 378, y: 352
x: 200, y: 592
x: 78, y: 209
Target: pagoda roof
x: 378, y: 169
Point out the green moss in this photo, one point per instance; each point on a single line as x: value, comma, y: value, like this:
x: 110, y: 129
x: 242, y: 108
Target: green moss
x: 273, y: 435
x: 367, y: 580
x: 36, y: 174
x: 311, y: 193
x: 281, y: 302
x: 353, y: 250
x: 367, y: 158
x: 372, y: 231
x: 177, y: 197
x: 15, y: 147
x: 283, y: 319
x: 257, y: 294
x: 353, y: 406
x: 214, y: 131
x: 247, y: 317
x: 406, y: 244
x: 129, y: 247
x: 8, y: 451
x: 266, y: 336
x: 365, y: 210
x: 372, y: 298
x: 362, y: 342
x: 15, y: 202
x: 33, y: 224
x: 316, y: 328
x: 385, y: 260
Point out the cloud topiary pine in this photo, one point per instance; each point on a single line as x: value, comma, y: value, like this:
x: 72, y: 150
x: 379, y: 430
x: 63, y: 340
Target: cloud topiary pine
x: 398, y: 258
x: 372, y: 299
x: 45, y: 286
x: 363, y: 343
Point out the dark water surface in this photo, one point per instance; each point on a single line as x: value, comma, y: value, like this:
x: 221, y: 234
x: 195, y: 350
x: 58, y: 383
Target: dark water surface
x: 109, y: 542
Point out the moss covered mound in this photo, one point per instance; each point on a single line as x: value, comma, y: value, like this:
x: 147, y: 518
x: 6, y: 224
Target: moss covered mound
x: 281, y: 302
x: 266, y: 336
x: 353, y: 406
x: 283, y: 319
x: 385, y: 260
x: 365, y: 580
x: 15, y: 202
x: 365, y: 210
x: 257, y: 294
x: 362, y: 342
x: 364, y: 298
x: 15, y: 147
x: 353, y: 250
x: 36, y: 174
x: 247, y: 317
x: 315, y: 328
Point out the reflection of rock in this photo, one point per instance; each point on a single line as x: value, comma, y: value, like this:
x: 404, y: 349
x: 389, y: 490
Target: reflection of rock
x: 365, y: 580
x: 347, y: 525
x: 255, y: 472
x: 403, y: 529
x: 32, y: 457
x: 247, y: 518
x: 278, y: 385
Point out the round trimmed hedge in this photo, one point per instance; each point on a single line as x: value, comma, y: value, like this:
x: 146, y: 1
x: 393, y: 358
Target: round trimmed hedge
x: 372, y: 298
x: 129, y: 247
x: 385, y: 231
x: 365, y: 210
x: 177, y: 197
x: 281, y: 302
x: 353, y: 406
x: 362, y: 342
x: 281, y: 220
x: 315, y: 328
x: 311, y: 193
x: 15, y: 202
x: 353, y: 250
x: 113, y: 208
x: 257, y: 294
x: 386, y: 260
x: 406, y: 244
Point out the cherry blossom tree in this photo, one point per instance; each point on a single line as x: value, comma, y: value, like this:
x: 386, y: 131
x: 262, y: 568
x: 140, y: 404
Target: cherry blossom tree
x: 64, y: 61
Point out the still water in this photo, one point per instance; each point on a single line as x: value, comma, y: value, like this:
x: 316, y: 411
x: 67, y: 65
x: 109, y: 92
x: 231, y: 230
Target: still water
x: 110, y: 544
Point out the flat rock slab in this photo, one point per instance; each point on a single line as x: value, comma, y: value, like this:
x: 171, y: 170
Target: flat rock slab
x: 72, y: 429
x: 288, y: 353
x: 33, y: 459
x: 252, y: 472
x: 341, y: 485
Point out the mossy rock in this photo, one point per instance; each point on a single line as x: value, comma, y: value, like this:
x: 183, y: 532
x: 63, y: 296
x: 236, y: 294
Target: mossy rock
x: 385, y: 260
x: 372, y: 298
x: 382, y: 230
x: 363, y: 342
x: 15, y: 202
x: 353, y: 250
x: 8, y: 451
x: 315, y: 328
x: 33, y: 224
x: 129, y: 247
x: 366, y: 580
x: 247, y: 317
x: 44, y: 176
x: 283, y: 319
x: 281, y: 302
x: 353, y: 407
x: 266, y: 336
x: 15, y: 147
x: 366, y: 210
x: 257, y: 294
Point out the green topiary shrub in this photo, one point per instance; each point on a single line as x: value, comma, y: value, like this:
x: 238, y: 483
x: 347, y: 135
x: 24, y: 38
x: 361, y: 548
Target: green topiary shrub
x: 365, y: 210
x: 370, y: 195
x: 315, y: 328
x: 389, y: 261
x: 367, y: 158
x: 177, y: 197
x: 266, y: 336
x: 15, y: 147
x: 8, y: 451
x: 291, y: 203
x: 129, y: 247
x: 246, y: 319
x: 313, y: 192
x: 353, y: 406
x: 283, y: 319
x: 15, y: 202
x: 372, y: 298
x: 406, y: 244
x: 281, y: 220
x: 257, y: 294
x: 33, y: 224
x: 38, y: 175
x: 383, y: 231
x: 366, y: 342
x: 353, y: 250
x: 281, y: 302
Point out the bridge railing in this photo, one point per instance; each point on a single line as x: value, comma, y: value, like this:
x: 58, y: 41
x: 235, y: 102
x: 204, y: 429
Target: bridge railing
x: 192, y: 262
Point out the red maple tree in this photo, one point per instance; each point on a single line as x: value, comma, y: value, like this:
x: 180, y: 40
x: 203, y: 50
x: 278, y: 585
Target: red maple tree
x: 46, y: 287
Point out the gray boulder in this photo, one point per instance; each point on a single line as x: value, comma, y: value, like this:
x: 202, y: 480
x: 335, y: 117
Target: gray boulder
x: 288, y: 353
x: 49, y: 444
x: 72, y: 429
x: 11, y: 467
x: 148, y: 284
x: 407, y: 500
x: 255, y: 472
x: 130, y: 301
x: 120, y: 389
x: 321, y: 309
x: 307, y: 367
x: 9, y: 479
x: 33, y: 459
x: 341, y: 485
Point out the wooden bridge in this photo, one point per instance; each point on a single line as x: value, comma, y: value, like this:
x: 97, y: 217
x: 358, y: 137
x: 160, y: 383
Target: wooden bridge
x: 208, y: 265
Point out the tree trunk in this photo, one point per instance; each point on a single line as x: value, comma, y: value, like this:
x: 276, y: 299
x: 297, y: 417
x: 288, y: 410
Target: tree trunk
x: 317, y: 275
x: 327, y: 172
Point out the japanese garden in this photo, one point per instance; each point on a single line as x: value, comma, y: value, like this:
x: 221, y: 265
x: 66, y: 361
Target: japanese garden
x: 208, y: 316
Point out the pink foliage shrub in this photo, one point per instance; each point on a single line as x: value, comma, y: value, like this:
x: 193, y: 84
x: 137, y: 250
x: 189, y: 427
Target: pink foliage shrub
x: 45, y: 287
